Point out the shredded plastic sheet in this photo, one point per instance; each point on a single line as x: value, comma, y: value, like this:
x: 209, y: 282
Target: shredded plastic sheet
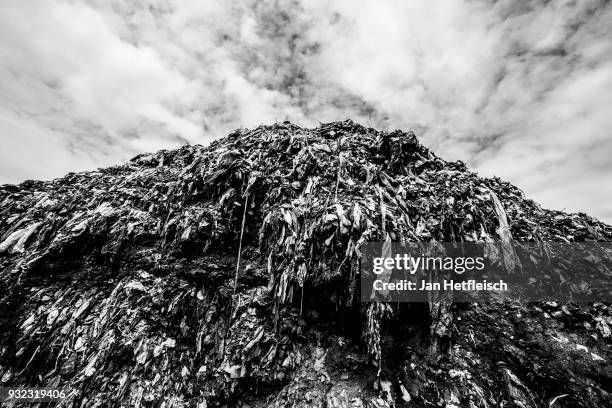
x: 119, y: 283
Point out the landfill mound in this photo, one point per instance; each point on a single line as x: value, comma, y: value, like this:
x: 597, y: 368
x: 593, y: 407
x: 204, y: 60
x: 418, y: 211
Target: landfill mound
x: 226, y: 275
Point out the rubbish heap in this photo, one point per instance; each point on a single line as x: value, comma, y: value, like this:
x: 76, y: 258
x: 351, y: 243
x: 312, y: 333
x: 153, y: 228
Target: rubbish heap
x: 227, y: 275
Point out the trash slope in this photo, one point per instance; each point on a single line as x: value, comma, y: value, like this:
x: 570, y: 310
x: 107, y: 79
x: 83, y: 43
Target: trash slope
x: 227, y: 275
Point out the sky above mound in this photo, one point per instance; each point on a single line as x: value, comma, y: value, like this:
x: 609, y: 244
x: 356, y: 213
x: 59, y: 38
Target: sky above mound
x: 521, y: 90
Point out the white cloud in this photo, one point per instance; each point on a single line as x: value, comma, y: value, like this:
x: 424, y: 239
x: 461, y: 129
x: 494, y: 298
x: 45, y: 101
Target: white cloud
x: 37, y: 150
x: 522, y: 93
x: 66, y: 69
x: 517, y: 89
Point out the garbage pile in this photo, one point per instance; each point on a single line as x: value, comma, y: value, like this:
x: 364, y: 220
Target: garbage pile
x: 227, y: 275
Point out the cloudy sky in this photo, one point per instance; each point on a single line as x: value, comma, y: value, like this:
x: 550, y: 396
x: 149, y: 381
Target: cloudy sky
x: 517, y: 89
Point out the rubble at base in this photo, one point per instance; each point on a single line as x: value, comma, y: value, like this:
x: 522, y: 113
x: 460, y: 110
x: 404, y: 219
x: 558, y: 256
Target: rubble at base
x: 227, y: 275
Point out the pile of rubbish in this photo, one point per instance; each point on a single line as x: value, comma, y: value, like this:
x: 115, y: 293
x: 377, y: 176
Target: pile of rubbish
x: 228, y: 275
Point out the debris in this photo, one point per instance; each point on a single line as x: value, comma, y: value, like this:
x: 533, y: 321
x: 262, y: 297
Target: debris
x: 15, y: 242
x: 208, y: 276
x: 552, y: 402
